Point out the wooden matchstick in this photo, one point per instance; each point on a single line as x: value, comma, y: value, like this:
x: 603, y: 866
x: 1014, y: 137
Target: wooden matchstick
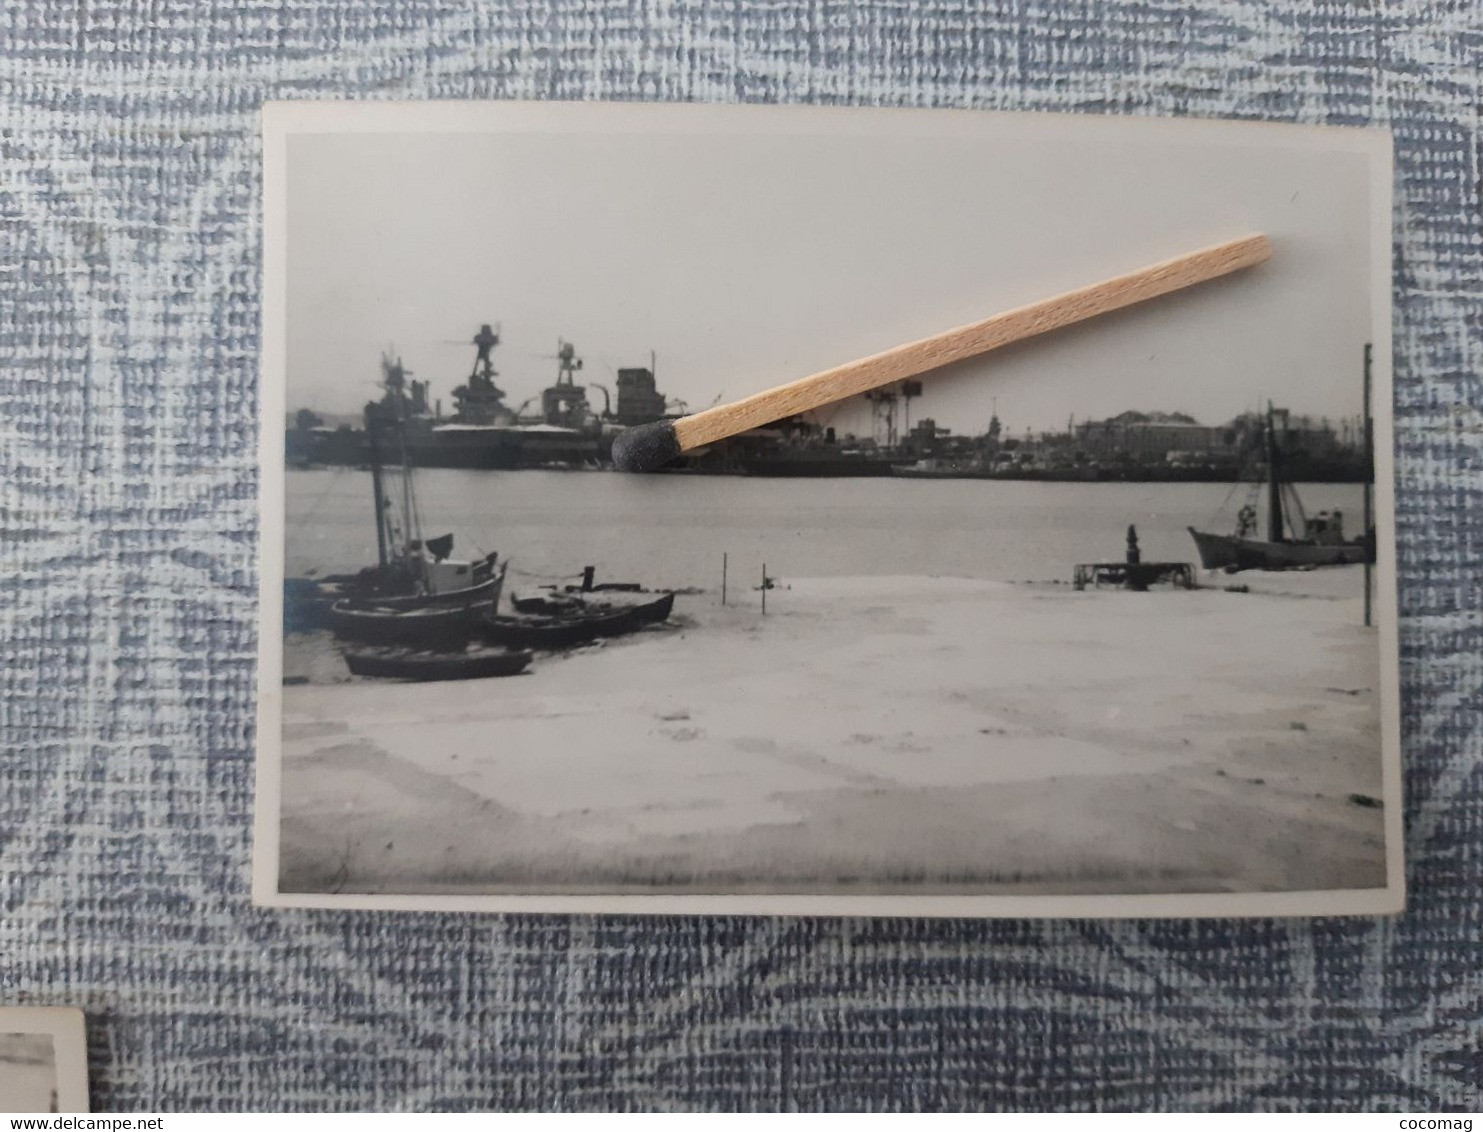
x: 651, y: 446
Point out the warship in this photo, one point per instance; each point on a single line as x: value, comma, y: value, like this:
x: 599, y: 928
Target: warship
x: 560, y: 428
x: 483, y: 431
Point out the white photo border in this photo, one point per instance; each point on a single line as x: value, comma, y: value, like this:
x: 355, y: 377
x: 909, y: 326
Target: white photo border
x: 283, y: 120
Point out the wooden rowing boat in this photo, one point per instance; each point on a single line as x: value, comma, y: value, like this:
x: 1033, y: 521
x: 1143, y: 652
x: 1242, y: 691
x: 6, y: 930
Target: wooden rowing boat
x: 412, y: 664
x: 429, y: 627
x: 560, y: 627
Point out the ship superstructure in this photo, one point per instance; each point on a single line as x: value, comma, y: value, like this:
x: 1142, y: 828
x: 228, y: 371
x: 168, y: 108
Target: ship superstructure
x: 556, y: 428
x: 479, y: 401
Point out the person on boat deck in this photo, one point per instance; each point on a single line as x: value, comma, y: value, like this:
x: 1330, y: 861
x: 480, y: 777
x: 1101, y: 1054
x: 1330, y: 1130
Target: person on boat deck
x: 1246, y: 521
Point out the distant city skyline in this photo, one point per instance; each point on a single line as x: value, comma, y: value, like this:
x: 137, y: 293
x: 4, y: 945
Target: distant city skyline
x: 853, y: 416
x: 749, y: 258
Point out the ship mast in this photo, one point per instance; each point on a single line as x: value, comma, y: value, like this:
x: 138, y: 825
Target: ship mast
x: 394, y: 411
x: 372, y: 423
x: 410, y: 533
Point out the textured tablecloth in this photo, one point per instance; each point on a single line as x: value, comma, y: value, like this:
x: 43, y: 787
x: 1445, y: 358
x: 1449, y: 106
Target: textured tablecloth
x: 129, y: 273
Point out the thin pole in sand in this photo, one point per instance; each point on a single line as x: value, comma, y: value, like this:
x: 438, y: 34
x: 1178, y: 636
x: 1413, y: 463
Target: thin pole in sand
x: 764, y: 589
x: 1369, y: 477
x: 723, y: 577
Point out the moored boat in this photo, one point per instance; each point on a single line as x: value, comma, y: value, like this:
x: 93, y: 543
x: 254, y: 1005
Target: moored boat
x: 546, y: 604
x: 426, y: 627
x: 485, y: 592
x: 558, y: 625
x: 411, y: 572
x: 573, y: 600
x: 413, y: 664
x: 1294, y: 539
x: 1227, y: 552
x: 308, y: 602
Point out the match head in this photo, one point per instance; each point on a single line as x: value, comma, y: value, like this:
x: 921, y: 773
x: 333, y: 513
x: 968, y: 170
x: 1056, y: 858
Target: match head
x: 645, y: 448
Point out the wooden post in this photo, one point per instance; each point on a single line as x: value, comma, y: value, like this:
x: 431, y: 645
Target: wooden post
x: 764, y: 589
x: 723, y: 577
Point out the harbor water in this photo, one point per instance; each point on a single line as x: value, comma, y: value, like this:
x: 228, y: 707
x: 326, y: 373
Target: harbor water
x: 670, y: 531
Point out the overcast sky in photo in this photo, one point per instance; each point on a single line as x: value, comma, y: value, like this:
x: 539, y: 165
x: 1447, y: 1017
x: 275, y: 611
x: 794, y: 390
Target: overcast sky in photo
x: 751, y: 256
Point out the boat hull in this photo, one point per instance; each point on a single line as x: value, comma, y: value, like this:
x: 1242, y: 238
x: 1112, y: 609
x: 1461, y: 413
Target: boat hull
x: 404, y: 664
x: 563, y: 629
x: 483, y: 593
x: 1226, y: 552
x: 309, y: 603
x: 423, y: 628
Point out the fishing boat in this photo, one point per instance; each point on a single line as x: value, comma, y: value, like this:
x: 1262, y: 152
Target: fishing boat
x: 431, y: 627
x: 1295, y: 540
x: 546, y: 604
x: 412, y: 664
x: 646, y: 605
x: 410, y: 572
x: 560, y: 625
x: 568, y: 598
x: 485, y: 592
x: 574, y: 598
x: 308, y: 603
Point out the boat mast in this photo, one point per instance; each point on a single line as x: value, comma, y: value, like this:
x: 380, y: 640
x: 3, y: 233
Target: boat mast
x: 395, y: 410
x: 1274, y: 481
x: 409, y: 533
x: 376, y: 487
x: 411, y: 525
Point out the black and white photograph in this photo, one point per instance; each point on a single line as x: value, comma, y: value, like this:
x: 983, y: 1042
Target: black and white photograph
x: 1100, y: 622
x: 43, y: 1066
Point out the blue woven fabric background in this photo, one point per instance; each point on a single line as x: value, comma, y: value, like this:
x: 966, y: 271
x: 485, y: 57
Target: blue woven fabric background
x: 129, y: 274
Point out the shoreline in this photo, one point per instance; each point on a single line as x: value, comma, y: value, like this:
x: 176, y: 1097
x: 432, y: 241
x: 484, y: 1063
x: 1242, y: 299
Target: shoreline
x: 870, y: 734
x: 904, y: 471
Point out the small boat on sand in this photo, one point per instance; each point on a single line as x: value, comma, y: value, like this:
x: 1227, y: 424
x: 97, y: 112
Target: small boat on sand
x: 552, y: 601
x: 421, y: 627
x: 485, y: 591
x: 545, y: 604
x: 556, y: 624
x: 412, y: 664
x: 308, y: 603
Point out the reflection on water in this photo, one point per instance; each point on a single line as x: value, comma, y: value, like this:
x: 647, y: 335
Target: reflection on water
x: 672, y: 530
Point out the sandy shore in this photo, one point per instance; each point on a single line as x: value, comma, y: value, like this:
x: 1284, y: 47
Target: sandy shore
x: 869, y: 734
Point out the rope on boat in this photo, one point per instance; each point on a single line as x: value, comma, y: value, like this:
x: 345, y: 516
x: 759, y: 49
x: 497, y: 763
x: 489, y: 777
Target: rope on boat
x: 1253, y: 491
x: 1216, y: 513
x: 319, y: 499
